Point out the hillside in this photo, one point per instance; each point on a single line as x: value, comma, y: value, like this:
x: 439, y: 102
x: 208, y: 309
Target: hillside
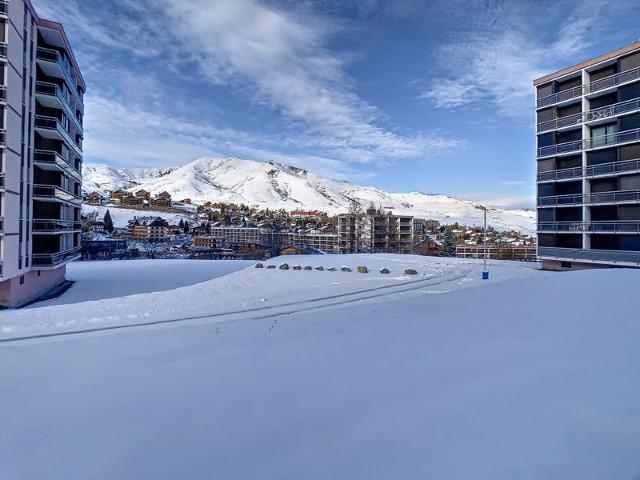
x: 275, y: 186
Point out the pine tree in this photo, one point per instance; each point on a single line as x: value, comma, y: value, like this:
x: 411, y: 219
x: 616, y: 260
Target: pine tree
x: 181, y: 224
x: 448, y: 243
x: 108, y: 222
x: 185, y: 227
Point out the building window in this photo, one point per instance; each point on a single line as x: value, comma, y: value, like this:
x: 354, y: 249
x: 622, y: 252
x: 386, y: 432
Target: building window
x: 22, y: 280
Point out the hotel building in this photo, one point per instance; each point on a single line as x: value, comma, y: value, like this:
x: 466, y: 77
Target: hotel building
x: 588, y: 162
x: 41, y: 148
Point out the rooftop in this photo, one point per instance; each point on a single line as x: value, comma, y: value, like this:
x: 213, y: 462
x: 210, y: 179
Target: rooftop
x: 588, y: 63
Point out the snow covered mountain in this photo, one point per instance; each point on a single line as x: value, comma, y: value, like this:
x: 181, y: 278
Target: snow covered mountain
x: 278, y: 186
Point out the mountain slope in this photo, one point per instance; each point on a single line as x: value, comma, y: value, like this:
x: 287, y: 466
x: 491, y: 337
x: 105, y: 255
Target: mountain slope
x: 277, y: 186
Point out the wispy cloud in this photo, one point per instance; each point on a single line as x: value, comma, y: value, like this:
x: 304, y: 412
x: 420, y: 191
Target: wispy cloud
x: 514, y: 183
x: 507, y: 45
x: 278, y: 59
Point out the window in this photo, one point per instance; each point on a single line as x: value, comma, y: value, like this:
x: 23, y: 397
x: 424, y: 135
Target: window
x: 565, y: 264
x: 22, y: 280
x: 602, y: 135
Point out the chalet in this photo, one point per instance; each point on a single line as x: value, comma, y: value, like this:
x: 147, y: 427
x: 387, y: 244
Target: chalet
x: 132, y: 201
x: 204, y: 242
x: 94, y: 198
x: 427, y: 247
x: 118, y: 195
x: 143, y: 194
x: 153, y: 229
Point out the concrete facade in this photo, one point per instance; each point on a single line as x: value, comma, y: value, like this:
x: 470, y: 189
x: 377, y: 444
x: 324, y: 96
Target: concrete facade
x: 41, y: 153
x: 588, y: 162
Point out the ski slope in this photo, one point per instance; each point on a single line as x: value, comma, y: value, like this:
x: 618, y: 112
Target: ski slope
x: 336, y: 375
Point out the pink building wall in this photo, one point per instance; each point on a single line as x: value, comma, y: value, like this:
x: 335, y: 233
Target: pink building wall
x: 36, y: 283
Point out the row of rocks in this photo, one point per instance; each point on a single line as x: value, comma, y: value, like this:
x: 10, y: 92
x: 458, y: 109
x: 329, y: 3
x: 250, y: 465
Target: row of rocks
x: 360, y: 269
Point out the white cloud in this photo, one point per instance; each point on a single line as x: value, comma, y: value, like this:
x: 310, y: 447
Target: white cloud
x: 277, y: 59
x: 514, y: 183
x: 512, y: 44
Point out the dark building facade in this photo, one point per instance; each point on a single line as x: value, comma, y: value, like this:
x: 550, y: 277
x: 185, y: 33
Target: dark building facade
x: 588, y: 162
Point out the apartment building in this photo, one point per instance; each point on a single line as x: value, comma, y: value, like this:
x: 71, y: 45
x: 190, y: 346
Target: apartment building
x: 588, y: 156
x: 375, y: 231
x: 150, y: 229
x: 41, y: 133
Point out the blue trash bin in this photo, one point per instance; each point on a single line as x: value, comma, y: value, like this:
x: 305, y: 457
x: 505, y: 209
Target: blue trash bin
x: 485, y: 275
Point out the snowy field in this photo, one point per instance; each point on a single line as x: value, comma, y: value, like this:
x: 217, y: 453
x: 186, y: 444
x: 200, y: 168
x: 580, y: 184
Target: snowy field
x: 337, y: 375
x: 118, y: 278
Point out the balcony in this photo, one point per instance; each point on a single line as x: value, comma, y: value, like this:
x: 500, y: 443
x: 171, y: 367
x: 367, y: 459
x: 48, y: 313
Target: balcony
x: 615, y: 197
x: 50, y: 160
x: 613, y: 80
x: 608, y: 226
x: 4, y: 7
x: 560, y: 148
x: 3, y: 94
x: 53, y: 226
x: 560, y: 97
x: 571, y: 227
x: 54, y: 64
x: 3, y: 50
x: 51, y: 127
x: 563, y: 174
x: 591, y: 116
x: 627, y: 166
x: 571, y: 200
x: 51, y: 260
x: 53, y: 193
x: 3, y: 136
x: 617, y: 138
x: 622, y: 257
x: 52, y: 96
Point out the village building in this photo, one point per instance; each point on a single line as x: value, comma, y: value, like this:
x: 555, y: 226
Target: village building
x: 94, y: 198
x: 151, y: 229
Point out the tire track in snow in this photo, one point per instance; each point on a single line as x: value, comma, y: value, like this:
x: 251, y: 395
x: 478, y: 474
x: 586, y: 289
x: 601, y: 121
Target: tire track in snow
x: 398, y: 288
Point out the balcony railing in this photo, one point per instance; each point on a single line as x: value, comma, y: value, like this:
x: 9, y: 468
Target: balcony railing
x: 614, y: 80
x: 620, y: 196
x: 613, y: 139
x: 53, y: 259
x: 589, y: 143
x: 54, y: 226
x: 563, y: 174
x: 50, y: 55
x: 604, y: 256
x: 591, y: 116
x: 3, y: 93
x: 577, y: 226
x: 593, y: 87
x: 53, y: 123
x: 3, y: 50
x: 613, y: 168
x: 560, y: 96
x: 54, y: 192
x: 51, y: 157
x: 4, y: 7
x: 46, y: 88
x: 566, y: 147
x: 606, y: 226
x: 3, y: 135
x: 561, y: 200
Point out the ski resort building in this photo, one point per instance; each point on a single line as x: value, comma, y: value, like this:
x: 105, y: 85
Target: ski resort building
x: 375, y: 231
x: 41, y: 146
x: 588, y: 156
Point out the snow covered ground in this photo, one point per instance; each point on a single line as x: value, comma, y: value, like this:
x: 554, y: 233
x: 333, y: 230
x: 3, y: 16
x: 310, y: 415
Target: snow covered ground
x: 121, y: 216
x: 334, y: 375
x: 119, y: 278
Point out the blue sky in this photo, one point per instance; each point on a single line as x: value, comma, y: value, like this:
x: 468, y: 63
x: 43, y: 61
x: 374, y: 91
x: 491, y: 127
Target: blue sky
x: 406, y: 95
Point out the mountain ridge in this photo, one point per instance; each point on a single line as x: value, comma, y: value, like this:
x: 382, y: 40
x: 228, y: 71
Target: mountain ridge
x: 279, y: 186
